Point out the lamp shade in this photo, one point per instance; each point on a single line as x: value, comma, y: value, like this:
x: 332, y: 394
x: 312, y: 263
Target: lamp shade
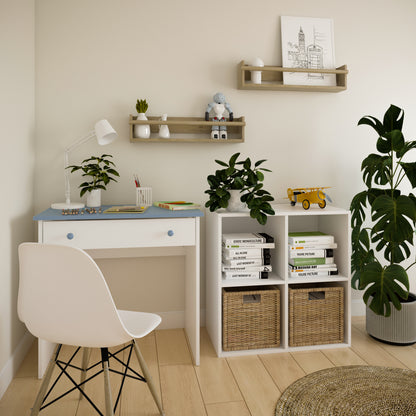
x: 104, y: 132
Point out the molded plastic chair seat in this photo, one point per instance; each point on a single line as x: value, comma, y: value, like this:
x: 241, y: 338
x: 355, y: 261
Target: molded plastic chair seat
x: 64, y: 298
x: 139, y: 324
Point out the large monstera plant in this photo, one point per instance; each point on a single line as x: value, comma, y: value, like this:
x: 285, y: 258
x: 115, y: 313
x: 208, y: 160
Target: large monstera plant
x: 383, y: 241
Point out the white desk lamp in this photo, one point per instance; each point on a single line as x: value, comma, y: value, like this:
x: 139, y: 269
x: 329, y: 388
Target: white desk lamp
x: 105, y: 134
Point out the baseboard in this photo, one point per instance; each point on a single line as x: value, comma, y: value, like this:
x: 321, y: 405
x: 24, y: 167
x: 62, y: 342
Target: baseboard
x: 10, y: 369
x: 357, y: 307
x: 177, y: 319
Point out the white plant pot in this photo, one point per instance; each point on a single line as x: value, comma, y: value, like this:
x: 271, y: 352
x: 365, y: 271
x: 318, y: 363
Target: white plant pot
x: 234, y: 203
x: 398, y: 328
x: 141, y: 131
x: 94, y: 198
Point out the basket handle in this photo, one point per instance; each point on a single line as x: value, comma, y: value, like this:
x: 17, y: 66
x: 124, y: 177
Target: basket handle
x: 316, y: 295
x: 252, y: 298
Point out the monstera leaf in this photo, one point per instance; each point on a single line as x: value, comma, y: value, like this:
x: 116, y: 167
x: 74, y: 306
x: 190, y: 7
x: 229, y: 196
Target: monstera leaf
x: 394, y: 218
x: 385, y: 285
x: 376, y: 168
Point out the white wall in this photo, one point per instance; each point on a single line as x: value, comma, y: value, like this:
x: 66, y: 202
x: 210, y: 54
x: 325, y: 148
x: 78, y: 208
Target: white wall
x: 17, y: 28
x: 94, y: 58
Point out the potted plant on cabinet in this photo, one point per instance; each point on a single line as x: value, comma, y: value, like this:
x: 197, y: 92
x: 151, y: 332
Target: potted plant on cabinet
x: 101, y: 171
x: 237, y: 185
x: 381, y: 243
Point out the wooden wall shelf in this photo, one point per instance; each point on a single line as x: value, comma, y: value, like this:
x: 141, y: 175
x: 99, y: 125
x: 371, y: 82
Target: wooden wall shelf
x: 272, y: 78
x: 188, y: 130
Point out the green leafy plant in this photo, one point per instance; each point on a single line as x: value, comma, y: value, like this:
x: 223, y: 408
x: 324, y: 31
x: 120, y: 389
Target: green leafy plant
x: 246, y: 177
x: 379, y: 247
x: 141, y: 106
x: 97, y: 168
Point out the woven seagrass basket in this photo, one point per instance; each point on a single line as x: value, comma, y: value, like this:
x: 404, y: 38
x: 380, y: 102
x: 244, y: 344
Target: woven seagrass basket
x: 251, y: 318
x: 316, y: 316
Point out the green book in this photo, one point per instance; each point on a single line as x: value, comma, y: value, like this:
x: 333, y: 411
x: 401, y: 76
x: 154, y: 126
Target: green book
x: 310, y: 261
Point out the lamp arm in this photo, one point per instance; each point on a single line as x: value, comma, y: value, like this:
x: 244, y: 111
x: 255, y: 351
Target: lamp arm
x: 73, y: 146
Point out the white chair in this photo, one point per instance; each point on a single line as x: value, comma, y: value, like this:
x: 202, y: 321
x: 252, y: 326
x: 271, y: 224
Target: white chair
x: 63, y: 298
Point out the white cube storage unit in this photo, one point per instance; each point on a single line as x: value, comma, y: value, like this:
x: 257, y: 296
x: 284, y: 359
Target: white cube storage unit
x: 331, y: 220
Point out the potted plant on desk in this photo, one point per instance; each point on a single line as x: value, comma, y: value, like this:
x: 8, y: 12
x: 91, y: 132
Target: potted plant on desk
x: 100, y: 170
x: 383, y: 242
x: 239, y: 185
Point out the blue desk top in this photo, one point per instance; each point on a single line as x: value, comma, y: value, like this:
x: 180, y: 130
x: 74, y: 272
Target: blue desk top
x: 151, y: 212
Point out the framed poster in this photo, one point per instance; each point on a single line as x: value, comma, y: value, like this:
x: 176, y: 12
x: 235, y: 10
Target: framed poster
x: 308, y: 42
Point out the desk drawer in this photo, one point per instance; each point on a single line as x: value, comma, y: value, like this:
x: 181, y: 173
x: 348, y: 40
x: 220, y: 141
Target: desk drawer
x: 121, y: 233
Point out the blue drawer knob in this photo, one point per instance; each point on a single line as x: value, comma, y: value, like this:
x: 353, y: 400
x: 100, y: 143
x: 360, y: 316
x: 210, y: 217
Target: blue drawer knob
x: 170, y: 233
x: 70, y: 236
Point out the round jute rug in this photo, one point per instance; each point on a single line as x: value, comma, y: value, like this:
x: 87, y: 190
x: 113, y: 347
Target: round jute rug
x: 350, y: 391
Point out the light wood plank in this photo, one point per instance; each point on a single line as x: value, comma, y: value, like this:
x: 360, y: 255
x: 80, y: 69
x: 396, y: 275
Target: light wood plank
x: 311, y: 361
x: 181, y: 394
x: 20, y: 396
x: 228, y: 409
x: 172, y: 347
x: 214, y: 375
x: 258, y: 389
x: 370, y: 350
x: 283, y: 368
x: 406, y: 354
x: 343, y: 356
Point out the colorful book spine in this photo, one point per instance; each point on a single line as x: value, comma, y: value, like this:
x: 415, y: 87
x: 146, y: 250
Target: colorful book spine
x: 263, y: 268
x: 310, y: 238
x: 248, y: 245
x: 246, y: 238
x: 312, y: 253
x: 247, y: 262
x: 308, y: 246
x: 302, y: 261
x: 245, y: 275
x: 245, y: 253
x: 315, y: 273
x: 312, y: 267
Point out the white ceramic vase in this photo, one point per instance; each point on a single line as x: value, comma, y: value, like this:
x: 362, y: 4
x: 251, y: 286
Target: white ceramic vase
x: 164, y: 132
x: 234, y: 203
x: 94, y: 198
x: 142, y: 131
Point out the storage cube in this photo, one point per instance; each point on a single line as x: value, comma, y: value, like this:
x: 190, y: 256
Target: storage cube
x: 316, y: 316
x: 251, y: 318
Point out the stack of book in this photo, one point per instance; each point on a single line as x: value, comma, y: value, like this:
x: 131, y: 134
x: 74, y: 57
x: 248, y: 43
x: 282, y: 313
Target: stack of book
x: 246, y: 255
x: 311, y: 254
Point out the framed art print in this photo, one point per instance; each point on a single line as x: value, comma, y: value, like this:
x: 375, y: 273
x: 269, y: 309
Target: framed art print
x: 308, y: 42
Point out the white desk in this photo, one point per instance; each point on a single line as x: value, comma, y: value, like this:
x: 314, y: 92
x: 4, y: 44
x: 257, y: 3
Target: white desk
x: 156, y: 232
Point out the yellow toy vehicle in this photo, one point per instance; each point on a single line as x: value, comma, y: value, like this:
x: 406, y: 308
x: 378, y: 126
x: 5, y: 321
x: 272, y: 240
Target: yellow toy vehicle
x: 308, y: 196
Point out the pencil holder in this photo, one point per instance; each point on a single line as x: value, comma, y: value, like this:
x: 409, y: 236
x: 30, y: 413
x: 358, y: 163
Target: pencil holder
x: 143, y: 196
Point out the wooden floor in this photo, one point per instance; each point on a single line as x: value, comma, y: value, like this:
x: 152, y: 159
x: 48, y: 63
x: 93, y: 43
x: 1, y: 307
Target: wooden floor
x: 240, y: 386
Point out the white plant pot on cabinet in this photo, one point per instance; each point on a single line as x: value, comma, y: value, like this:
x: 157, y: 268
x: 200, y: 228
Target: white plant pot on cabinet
x: 234, y: 203
x: 94, y: 198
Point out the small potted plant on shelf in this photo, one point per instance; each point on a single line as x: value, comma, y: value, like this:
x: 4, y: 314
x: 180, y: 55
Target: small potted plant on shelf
x: 101, y: 171
x: 239, y: 185
x: 142, y: 130
x: 383, y: 241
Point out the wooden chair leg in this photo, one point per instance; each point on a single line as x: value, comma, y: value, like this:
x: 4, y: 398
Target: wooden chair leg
x: 84, y: 366
x: 45, y: 382
x: 107, y: 387
x: 148, y: 378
